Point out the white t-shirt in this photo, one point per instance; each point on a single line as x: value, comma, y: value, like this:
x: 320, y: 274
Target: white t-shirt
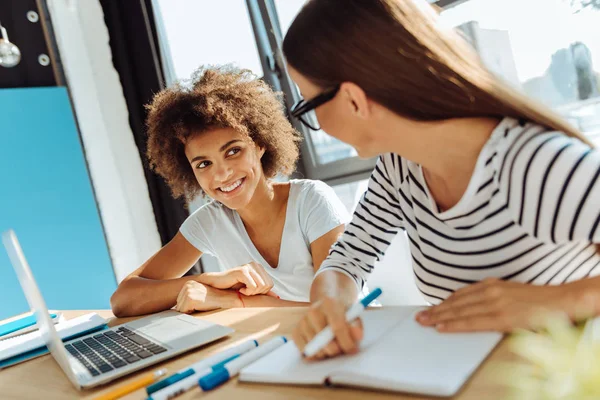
x: 313, y: 209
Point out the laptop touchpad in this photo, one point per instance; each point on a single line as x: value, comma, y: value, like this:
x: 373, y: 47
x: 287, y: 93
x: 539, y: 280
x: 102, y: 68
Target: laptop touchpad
x: 168, y: 329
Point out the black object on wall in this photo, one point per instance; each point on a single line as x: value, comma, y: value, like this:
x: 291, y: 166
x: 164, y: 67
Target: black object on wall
x: 135, y: 51
x: 28, y: 28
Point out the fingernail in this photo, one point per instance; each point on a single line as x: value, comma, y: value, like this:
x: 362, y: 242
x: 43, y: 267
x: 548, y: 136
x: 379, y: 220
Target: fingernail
x: 439, y: 327
x: 422, y: 317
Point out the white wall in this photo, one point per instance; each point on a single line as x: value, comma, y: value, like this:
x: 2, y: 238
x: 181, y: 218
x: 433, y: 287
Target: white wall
x: 113, y: 159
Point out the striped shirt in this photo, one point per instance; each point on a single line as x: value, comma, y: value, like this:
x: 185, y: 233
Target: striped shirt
x: 530, y: 214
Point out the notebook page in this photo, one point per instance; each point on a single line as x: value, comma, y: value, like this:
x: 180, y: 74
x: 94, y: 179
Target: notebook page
x: 285, y: 365
x: 416, y: 359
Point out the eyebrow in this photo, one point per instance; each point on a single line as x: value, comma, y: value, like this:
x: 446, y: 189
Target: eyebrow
x: 225, y: 146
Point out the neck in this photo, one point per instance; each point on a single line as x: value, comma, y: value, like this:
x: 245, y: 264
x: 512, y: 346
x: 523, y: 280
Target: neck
x: 259, y: 211
x: 446, y: 149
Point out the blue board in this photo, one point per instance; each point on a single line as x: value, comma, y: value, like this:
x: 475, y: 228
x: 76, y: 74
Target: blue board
x: 46, y: 196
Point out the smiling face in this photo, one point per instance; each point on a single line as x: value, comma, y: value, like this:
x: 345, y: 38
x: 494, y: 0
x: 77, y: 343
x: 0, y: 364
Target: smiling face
x: 226, y: 164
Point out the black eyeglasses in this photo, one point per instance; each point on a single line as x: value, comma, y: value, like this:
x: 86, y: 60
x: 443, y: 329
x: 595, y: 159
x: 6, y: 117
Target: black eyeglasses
x: 304, y: 110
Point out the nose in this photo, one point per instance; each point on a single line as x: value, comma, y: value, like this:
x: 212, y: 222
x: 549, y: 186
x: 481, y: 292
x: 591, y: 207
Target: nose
x: 223, y: 173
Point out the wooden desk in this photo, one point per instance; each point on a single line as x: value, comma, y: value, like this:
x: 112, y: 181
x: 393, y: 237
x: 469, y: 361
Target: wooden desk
x: 42, y: 378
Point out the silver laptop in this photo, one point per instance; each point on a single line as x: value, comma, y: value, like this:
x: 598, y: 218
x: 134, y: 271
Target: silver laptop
x: 103, y: 356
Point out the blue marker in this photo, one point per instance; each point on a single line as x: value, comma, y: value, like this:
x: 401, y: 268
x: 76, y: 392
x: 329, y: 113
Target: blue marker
x: 324, y: 337
x: 187, y: 383
x: 201, y: 366
x: 232, y: 368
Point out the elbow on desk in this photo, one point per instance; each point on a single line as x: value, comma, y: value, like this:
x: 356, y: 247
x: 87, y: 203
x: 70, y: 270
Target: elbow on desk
x: 119, y: 305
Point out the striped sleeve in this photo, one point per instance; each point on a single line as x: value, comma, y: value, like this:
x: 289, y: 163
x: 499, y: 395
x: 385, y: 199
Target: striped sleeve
x: 375, y: 222
x: 553, y: 188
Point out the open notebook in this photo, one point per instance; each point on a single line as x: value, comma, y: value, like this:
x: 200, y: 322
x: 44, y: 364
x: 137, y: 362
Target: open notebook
x: 397, y: 354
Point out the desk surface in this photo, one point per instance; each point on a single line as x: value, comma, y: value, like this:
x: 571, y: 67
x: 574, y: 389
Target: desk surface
x: 43, y: 378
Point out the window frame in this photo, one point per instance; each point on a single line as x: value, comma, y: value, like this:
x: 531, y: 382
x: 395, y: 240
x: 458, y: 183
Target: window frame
x: 265, y: 21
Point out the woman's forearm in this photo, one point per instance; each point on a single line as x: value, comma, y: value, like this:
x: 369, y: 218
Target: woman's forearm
x: 335, y: 285
x: 269, y: 301
x: 137, y: 296
x: 582, y: 297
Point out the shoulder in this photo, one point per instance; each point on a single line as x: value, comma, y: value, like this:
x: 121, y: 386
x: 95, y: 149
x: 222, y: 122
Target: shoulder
x: 318, y: 208
x: 309, y: 185
x: 313, y: 194
x: 308, y: 190
x: 527, y: 147
x: 209, y: 212
x: 392, y: 167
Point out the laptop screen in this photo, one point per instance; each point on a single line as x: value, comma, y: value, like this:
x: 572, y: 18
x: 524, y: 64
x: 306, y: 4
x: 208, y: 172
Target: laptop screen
x: 38, y: 306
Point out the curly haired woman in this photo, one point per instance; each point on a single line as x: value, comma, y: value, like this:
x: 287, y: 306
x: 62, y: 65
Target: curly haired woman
x: 226, y: 137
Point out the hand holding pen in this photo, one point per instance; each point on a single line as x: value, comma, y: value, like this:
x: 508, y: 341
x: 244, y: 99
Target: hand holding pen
x: 330, y: 329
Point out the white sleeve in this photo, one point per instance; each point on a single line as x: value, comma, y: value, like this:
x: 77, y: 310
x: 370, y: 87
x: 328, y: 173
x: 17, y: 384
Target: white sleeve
x: 193, y: 229
x: 321, y: 210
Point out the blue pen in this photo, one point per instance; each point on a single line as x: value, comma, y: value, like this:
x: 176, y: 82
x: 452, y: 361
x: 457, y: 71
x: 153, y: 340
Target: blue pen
x: 323, y: 338
x: 232, y: 368
x: 207, y: 363
x: 187, y: 383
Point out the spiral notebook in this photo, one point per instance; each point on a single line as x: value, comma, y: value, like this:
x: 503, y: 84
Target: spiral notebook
x: 397, y: 354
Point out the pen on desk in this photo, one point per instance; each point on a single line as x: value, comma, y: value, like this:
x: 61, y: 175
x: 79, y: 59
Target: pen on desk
x: 186, y: 381
x: 183, y: 385
x: 133, y: 386
x: 200, y: 366
x: 232, y: 368
x: 323, y: 338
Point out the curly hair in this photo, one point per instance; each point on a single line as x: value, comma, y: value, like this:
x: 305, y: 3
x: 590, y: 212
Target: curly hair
x: 217, y: 97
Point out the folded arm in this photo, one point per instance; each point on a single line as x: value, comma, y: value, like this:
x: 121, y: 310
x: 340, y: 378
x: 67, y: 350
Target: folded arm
x: 154, y: 286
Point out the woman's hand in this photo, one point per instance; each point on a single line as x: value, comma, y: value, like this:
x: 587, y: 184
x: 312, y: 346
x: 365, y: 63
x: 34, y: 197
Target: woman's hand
x: 251, y: 279
x: 195, y: 296
x: 496, y: 305
x: 329, y: 312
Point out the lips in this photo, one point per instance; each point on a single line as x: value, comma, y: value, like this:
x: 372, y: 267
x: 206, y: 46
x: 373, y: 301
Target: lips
x: 231, y: 187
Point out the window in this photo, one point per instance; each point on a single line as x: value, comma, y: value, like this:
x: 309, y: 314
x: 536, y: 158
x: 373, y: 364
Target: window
x: 554, y: 57
x: 323, y: 156
x: 327, y: 148
x: 193, y: 33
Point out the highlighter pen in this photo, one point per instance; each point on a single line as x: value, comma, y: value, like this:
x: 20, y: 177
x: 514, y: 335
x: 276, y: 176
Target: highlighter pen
x: 324, y: 337
x: 132, y: 386
x: 234, y: 367
x: 207, y: 363
x: 187, y: 383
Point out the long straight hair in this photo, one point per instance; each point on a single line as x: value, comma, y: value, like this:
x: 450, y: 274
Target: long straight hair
x: 406, y: 60
x: 400, y: 54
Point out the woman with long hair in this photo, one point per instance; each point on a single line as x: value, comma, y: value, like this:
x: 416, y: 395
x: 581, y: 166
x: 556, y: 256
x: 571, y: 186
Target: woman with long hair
x: 498, y: 195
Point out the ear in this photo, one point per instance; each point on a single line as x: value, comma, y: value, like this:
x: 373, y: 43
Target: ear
x: 356, y: 99
x: 261, y: 152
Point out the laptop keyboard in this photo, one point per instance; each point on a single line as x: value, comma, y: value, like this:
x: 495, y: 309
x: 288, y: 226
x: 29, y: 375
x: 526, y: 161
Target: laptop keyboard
x: 112, y: 350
